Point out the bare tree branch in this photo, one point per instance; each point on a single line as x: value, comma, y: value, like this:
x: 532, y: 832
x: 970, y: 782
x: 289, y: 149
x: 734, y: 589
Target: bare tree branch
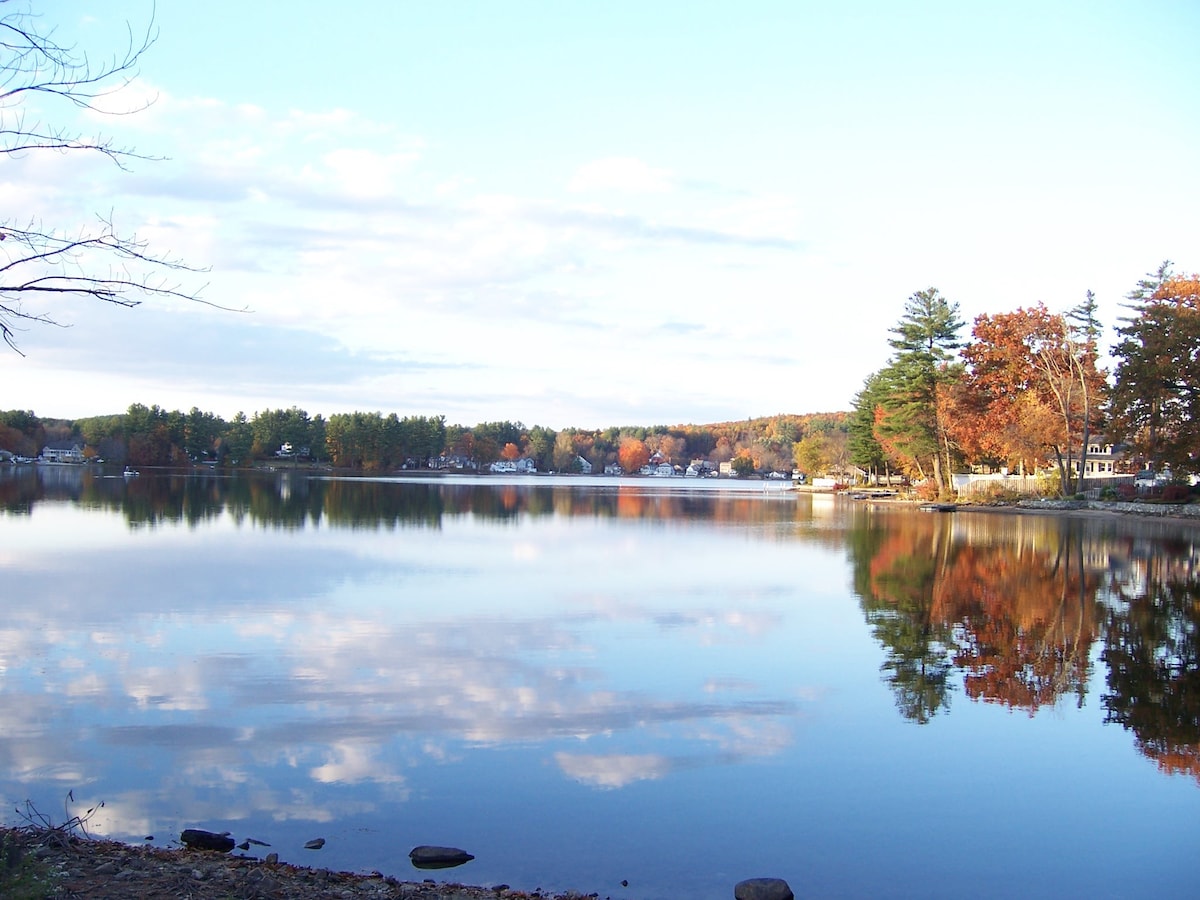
x: 94, y: 261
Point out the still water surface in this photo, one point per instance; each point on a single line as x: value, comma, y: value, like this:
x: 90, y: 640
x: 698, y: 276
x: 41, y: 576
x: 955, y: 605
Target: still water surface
x: 675, y: 684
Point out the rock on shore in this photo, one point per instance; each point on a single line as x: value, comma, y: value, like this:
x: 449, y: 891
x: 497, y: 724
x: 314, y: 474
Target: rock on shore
x: 762, y: 889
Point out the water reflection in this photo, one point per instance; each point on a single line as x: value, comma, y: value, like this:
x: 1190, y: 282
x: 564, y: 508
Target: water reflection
x: 1014, y: 607
x: 587, y: 666
x: 296, y: 499
x: 1152, y: 650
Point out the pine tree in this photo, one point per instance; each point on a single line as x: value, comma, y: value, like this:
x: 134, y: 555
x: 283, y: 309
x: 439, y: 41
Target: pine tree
x: 914, y: 384
x: 1156, y: 398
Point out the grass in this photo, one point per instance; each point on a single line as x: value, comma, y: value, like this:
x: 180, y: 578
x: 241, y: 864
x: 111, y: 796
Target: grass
x: 22, y: 875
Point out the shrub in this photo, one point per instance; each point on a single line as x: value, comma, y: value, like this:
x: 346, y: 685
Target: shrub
x: 1176, y: 493
x: 926, y: 490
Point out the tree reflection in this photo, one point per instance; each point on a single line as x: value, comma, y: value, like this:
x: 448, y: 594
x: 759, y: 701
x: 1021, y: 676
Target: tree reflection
x: 1025, y: 619
x: 1013, y: 609
x: 901, y: 577
x: 298, y: 499
x: 1152, y: 648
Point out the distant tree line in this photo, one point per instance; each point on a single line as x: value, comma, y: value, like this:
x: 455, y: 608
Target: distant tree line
x: 1025, y: 391
x: 374, y: 442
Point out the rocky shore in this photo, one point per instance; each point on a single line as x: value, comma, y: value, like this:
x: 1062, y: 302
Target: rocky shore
x: 1134, y: 509
x: 50, y: 864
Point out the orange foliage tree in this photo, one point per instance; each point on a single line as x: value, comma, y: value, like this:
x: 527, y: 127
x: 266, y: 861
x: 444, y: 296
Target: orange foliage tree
x: 633, y: 454
x: 1032, y: 392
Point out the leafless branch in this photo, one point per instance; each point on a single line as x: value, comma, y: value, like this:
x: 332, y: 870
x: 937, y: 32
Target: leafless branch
x: 96, y: 261
x: 45, y: 828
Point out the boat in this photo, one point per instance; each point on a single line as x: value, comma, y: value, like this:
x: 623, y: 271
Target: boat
x: 939, y: 507
x: 130, y: 472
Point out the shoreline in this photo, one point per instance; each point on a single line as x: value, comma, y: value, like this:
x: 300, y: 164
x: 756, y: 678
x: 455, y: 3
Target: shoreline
x: 53, y: 863
x: 1131, y: 509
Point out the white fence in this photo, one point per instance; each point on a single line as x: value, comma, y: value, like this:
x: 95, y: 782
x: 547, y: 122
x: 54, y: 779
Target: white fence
x: 1027, y: 485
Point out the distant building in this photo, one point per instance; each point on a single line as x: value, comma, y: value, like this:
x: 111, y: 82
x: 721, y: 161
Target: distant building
x: 62, y: 452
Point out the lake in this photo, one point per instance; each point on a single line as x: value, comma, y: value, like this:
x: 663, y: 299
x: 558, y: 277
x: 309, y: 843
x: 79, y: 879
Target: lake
x: 673, y: 683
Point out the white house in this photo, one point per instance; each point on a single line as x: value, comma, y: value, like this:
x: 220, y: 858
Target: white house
x: 62, y: 454
x: 1101, y: 462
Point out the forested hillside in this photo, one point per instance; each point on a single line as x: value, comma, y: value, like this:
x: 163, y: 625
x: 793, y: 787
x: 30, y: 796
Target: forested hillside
x: 375, y: 442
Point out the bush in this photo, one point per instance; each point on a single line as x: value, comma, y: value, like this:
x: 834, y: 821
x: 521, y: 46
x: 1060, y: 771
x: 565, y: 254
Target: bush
x: 1176, y: 493
x: 926, y: 490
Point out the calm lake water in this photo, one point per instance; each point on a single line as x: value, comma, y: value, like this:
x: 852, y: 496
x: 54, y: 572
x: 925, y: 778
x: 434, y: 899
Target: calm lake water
x: 678, y: 684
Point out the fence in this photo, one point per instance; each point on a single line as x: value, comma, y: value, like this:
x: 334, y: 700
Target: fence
x: 977, y: 486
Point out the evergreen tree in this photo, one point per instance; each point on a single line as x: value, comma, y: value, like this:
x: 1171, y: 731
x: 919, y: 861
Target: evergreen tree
x: 1156, y: 398
x: 914, y: 381
x: 865, y: 450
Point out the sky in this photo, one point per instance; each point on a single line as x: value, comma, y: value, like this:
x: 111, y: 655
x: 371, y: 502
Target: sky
x: 606, y: 214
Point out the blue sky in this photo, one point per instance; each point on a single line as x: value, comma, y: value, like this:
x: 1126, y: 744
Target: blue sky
x: 619, y: 213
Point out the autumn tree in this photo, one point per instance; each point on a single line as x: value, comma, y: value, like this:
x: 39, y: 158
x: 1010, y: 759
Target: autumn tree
x: 1156, y: 398
x: 40, y: 261
x: 911, y: 418
x: 670, y: 447
x: 1031, y: 391
x: 1067, y: 369
x: 743, y: 464
x: 811, y: 454
x: 565, y: 456
x: 21, y: 432
x: 633, y: 454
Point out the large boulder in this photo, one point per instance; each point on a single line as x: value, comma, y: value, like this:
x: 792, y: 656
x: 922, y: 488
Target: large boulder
x: 762, y: 889
x: 427, y: 857
x: 198, y: 839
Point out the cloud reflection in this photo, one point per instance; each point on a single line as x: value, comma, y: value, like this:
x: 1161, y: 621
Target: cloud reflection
x: 614, y: 770
x: 320, y: 673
